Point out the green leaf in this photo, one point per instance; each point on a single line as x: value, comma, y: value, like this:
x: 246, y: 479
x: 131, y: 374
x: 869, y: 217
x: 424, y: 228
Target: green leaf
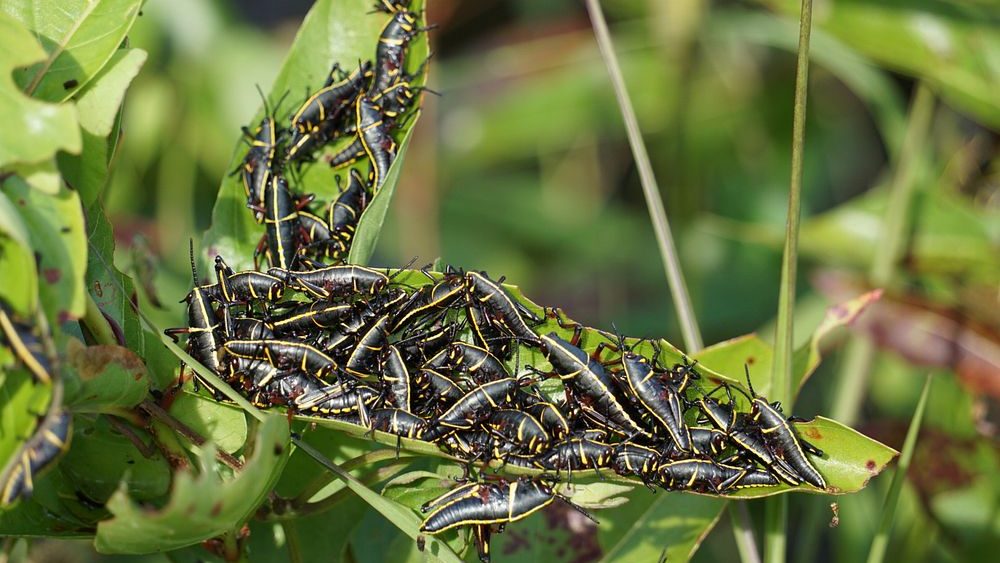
x: 952, y: 45
x: 111, y: 290
x: 596, y: 496
x: 732, y: 355
x: 220, y: 424
x: 54, y: 510
x: 846, y: 466
x: 56, y: 228
x: 344, y: 31
x: 101, y: 461
x: 202, y: 506
x: 33, y: 130
x: 807, y: 358
x: 850, y: 459
x: 651, y: 524
x: 954, y: 238
x: 322, y: 537
x: 112, y: 378
x: 21, y: 291
x: 99, y: 101
x: 22, y: 401
x: 79, y: 37
x: 370, y: 224
x: 99, y: 104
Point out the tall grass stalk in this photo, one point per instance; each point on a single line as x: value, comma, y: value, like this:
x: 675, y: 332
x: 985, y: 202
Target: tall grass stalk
x: 858, y: 356
x: 650, y: 189
x: 776, y: 509
x: 881, y: 541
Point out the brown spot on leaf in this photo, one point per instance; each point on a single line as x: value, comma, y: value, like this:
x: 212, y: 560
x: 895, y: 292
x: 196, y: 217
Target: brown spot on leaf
x: 64, y: 317
x: 216, y: 508
x: 279, y: 449
x: 751, y: 360
x: 812, y: 433
x: 91, y: 361
x: 871, y: 466
x: 98, y: 289
x: 52, y: 275
x: 70, y: 84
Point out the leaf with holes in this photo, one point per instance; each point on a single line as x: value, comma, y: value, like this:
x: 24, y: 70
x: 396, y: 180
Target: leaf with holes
x: 79, y: 37
x: 201, y: 506
x: 33, y: 130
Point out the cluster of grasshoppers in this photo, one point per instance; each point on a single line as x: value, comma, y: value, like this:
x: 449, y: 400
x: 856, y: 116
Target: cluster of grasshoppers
x: 51, y: 435
x: 441, y: 362
x: 364, y: 105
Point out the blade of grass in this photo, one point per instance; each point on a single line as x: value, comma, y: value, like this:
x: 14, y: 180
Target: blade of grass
x: 853, y: 379
x: 881, y: 541
x: 654, y: 203
x: 742, y: 529
x: 403, y: 518
x: 776, y: 510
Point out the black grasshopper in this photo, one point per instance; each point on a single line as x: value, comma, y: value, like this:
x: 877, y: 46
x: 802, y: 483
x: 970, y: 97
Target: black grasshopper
x: 334, y: 281
x: 28, y: 349
x: 782, y: 439
x: 477, y: 405
x: 38, y: 453
x: 508, y: 313
x: 589, y: 384
x: 744, y: 437
x: 284, y: 354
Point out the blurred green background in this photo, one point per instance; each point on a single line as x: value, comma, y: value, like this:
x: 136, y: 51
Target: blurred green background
x: 521, y: 167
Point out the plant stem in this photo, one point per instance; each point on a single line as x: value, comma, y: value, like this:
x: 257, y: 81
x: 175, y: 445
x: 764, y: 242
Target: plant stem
x: 292, y: 541
x: 776, y: 509
x: 654, y: 203
x: 368, y: 459
x: 892, y: 240
x: 881, y: 541
x: 95, y: 323
x: 743, y: 532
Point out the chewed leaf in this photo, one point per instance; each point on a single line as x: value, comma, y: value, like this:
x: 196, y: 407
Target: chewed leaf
x: 80, y: 37
x: 201, y: 506
x: 33, y: 130
x: 111, y: 377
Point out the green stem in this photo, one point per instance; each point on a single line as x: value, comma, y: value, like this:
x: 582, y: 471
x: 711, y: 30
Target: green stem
x: 364, y: 460
x: 377, y: 476
x: 881, y: 541
x: 95, y: 323
x: 743, y: 532
x: 776, y: 510
x: 654, y: 203
x: 892, y: 240
x: 292, y: 541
